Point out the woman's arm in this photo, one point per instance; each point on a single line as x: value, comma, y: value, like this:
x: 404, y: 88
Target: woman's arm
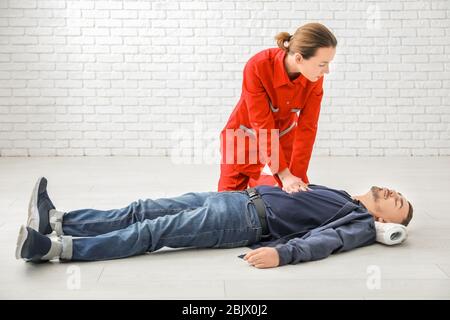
x: 260, y: 116
x: 305, y: 133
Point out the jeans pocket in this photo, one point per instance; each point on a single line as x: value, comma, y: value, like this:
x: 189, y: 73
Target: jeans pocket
x: 251, y: 216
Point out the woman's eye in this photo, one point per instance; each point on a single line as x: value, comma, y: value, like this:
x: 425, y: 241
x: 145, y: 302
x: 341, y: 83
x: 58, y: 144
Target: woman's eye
x: 321, y: 65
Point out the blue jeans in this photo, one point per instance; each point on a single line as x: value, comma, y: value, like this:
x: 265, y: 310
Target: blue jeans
x: 203, y: 220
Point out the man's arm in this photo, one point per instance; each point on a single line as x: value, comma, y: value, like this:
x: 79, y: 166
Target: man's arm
x: 319, y: 245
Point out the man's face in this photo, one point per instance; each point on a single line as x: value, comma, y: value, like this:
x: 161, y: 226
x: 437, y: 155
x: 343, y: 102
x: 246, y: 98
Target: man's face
x: 390, y: 205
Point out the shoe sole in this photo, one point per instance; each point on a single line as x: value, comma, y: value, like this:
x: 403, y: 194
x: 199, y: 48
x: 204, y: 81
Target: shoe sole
x: 23, y: 235
x: 33, y: 211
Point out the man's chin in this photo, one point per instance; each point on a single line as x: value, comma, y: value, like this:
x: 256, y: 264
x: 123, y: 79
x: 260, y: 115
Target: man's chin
x: 374, y: 190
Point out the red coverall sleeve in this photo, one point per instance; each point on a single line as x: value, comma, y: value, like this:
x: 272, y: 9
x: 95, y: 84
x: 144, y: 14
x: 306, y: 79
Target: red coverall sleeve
x: 305, y: 133
x: 260, y: 116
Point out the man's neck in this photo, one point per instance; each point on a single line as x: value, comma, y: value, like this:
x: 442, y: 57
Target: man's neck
x: 365, y: 201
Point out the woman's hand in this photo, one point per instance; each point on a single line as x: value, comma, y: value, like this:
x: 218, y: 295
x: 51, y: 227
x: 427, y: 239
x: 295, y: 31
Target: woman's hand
x: 264, y: 257
x: 292, y: 183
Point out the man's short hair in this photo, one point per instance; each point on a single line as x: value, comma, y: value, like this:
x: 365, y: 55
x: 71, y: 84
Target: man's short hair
x: 408, y: 218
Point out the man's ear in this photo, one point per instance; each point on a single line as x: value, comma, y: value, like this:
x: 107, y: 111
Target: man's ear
x: 379, y: 219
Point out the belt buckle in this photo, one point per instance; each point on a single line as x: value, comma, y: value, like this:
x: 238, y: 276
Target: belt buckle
x: 253, y: 195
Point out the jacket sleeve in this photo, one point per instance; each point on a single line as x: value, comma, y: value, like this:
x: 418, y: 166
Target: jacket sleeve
x: 319, y: 245
x: 305, y: 133
x: 260, y: 116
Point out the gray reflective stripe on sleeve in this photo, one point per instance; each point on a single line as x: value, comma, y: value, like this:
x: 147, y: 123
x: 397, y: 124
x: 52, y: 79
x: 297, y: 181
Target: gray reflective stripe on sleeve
x: 251, y: 131
x: 295, y: 110
x: 274, y: 109
x: 282, y: 133
x: 67, y: 248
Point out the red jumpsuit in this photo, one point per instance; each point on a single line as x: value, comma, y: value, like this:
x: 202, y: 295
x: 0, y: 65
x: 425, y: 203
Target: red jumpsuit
x: 269, y: 100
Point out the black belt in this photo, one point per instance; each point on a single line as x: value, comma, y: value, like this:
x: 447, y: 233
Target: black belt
x: 260, y: 208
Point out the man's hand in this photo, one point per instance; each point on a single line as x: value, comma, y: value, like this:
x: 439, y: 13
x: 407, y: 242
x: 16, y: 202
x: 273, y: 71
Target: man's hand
x: 264, y: 257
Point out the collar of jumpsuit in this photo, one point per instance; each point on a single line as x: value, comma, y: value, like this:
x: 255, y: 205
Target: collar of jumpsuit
x: 280, y: 75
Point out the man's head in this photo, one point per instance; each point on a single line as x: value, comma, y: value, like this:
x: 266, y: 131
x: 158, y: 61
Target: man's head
x: 388, y: 205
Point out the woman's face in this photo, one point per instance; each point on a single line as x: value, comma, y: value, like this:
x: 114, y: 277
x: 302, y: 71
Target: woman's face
x: 315, y: 67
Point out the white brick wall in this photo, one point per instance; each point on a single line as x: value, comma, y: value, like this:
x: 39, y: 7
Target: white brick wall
x: 129, y: 77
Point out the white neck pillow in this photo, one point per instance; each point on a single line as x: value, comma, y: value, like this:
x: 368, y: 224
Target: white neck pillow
x: 390, y: 233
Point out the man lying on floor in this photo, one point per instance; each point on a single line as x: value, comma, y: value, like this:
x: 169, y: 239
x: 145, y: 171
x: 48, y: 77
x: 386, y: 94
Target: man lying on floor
x: 287, y: 228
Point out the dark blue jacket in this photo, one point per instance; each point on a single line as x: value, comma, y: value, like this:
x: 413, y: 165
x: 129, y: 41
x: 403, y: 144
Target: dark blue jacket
x: 331, y: 222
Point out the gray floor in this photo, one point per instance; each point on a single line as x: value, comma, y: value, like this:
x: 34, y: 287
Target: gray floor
x: 417, y: 269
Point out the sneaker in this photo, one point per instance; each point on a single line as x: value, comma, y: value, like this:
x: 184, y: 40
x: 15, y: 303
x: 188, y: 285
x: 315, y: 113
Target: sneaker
x: 31, y: 245
x: 39, y: 208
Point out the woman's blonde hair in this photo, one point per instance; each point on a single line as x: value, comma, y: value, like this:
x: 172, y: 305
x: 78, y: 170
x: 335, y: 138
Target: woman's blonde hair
x: 306, y: 40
